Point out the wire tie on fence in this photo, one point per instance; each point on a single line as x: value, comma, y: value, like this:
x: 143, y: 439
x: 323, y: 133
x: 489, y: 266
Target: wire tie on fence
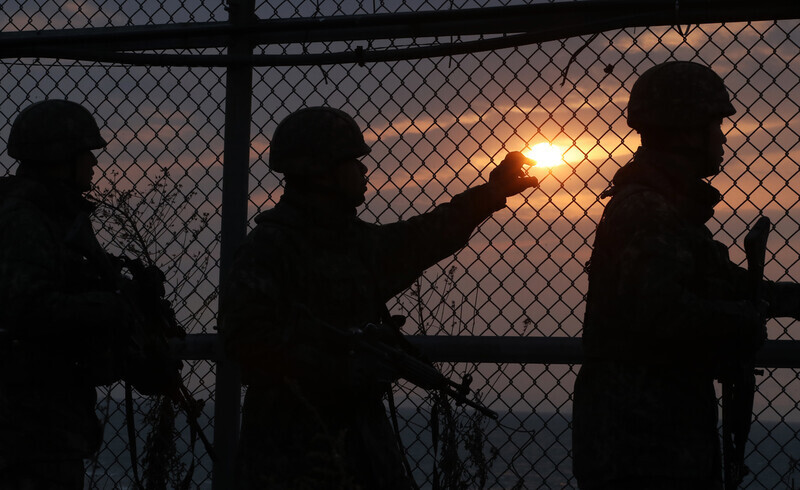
x: 678, y: 21
x: 450, y: 58
x: 575, y: 56
x: 360, y: 55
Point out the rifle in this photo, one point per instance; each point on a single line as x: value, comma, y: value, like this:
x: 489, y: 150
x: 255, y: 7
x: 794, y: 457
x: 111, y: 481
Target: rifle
x: 739, y: 379
x: 156, y: 324
x: 388, y: 362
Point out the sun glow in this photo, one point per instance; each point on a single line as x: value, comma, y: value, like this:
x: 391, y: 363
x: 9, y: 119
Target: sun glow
x: 545, y: 155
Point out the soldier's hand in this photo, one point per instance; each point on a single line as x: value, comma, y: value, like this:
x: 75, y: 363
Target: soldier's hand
x: 752, y: 328
x: 153, y: 371
x: 509, y: 177
x: 760, y: 334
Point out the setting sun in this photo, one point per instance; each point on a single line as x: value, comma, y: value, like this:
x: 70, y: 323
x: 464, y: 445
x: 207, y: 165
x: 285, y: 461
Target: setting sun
x: 545, y: 155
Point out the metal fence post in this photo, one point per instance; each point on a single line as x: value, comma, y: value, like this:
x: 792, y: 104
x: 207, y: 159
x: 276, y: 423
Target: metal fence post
x: 236, y: 172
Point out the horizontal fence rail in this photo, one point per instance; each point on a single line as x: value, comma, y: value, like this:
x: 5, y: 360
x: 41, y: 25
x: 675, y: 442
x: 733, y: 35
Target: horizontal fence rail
x: 514, y: 350
x: 526, y: 24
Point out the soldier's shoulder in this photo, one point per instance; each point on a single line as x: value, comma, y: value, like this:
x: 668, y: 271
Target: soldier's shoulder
x: 639, y: 204
x: 271, y: 227
x: 23, y: 192
x: 25, y: 232
x: 267, y: 240
x: 22, y: 201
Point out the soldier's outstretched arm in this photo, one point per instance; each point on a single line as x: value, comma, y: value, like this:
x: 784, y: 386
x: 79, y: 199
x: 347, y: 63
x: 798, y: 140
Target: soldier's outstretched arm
x: 405, y: 249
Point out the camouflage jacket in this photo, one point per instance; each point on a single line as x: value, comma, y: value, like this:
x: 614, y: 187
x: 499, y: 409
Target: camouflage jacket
x: 665, y: 305
x: 303, y: 263
x: 57, y: 316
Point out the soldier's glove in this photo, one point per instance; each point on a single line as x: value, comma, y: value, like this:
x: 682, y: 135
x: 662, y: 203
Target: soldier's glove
x: 752, y: 329
x: 784, y: 299
x: 153, y: 370
x: 509, y: 177
x: 364, y: 374
x: 367, y: 370
x: 760, y: 333
x: 154, y: 278
x: 380, y: 332
x: 337, y: 369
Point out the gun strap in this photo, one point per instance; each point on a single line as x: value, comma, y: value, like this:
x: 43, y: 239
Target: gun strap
x: 727, y: 438
x: 188, y: 404
x: 187, y: 479
x: 131, y: 426
x: 435, y: 439
x: 400, y: 447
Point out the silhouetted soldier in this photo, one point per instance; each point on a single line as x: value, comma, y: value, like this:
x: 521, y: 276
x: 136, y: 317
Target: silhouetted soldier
x: 309, y: 420
x: 665, y: 306
x: 64, y: 329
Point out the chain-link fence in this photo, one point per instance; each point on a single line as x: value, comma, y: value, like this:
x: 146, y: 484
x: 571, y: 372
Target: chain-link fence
x: 439, y: 110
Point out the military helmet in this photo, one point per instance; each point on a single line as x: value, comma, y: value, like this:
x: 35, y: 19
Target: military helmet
x: 678, y: 94
x: 315, y: 136
x: 53, y: 129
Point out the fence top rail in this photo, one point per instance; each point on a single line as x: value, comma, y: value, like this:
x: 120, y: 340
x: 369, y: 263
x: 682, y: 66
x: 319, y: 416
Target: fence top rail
x: 518, y: 26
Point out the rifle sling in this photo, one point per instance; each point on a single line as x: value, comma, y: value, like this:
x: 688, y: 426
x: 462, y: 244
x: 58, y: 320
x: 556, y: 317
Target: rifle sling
x: 131, y: 427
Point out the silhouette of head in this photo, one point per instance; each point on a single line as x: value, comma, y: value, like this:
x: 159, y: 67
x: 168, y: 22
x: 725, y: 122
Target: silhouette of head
x: 678, y: 106
x: 678, y: 94
x: 55, y: 138
x: 314, y: 138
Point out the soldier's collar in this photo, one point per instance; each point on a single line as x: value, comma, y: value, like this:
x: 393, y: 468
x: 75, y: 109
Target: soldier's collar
x: 671, y: 172
x: 302, y: 208
x: 47, y: 191
x: 663, y: 173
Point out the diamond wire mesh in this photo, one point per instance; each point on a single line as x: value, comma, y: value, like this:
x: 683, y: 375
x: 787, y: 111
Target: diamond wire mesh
x: 164, y: 127
x: 436, y: 125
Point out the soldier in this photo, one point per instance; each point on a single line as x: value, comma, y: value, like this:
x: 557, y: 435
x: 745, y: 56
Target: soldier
x: 308, y: 420
x: 63, y: 326
x: 665, y: 305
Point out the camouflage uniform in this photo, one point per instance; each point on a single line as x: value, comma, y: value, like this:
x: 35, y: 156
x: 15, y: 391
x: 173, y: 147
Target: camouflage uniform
x: 57, y: 319
x: 300, y: 263
x: 664, y: 303
x: 57, y: 314
x: 665, y: 306
x: 307, y: 421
